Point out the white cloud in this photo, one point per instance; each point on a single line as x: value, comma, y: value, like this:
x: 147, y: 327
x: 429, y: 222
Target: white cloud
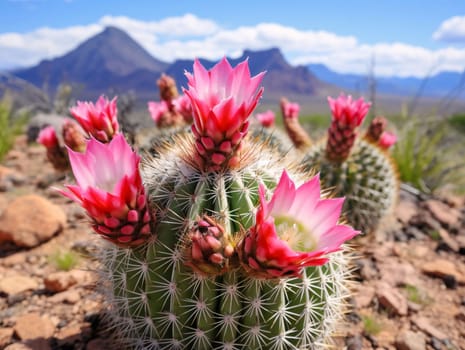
x: 189, y: 36
x: 451, y: 30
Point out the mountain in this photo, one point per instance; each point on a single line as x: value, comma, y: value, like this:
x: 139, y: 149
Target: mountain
x: 438, y: 85
x: 22, y: 94
x: 97, y: 64
x: 112, y: 62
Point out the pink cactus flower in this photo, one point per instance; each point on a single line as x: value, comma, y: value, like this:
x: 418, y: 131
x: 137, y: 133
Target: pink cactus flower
x: 266, y: 119
x: 347, y: 112
x: 99, y: 119
x: 222, y: 98
x: 290, y: 109
x: 387, y: 139
x: 48, y: 137
x: 109, y: 188
x: 157, y: 110
x: 295, y: 229
x: 182, y: 105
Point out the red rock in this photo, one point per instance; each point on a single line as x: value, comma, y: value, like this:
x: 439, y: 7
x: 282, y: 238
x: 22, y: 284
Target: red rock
x: 33, y: 344
x: 443, y: 213
x: 69, y: 296
x: 59, y: 281
x: 441, y: 268
x: 9, y: 178
x: 448, y: 240
x: 5, y: 336
x: 17, y: 284
x: 99, y: 344
x: 405, y: 210
x: 397, y: 273
x: 364, y: 296
x: 72, y: 334
x: 424, y: 325
x: 32, y: 326
x: 30, y: 220
x: 391, y: 299
x: 14, y: 259
x: 408, y: 340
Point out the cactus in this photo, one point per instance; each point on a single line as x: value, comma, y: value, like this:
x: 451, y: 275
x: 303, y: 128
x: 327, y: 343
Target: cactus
x: 358, y: 168
x: 221, y: 267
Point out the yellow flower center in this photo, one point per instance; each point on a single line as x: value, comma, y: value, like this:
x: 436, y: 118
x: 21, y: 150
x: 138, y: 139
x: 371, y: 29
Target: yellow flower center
x: 294, y: 233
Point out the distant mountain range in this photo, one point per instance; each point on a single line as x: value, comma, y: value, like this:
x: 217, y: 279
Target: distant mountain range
x: 438, y: 85
x: 112, y: 62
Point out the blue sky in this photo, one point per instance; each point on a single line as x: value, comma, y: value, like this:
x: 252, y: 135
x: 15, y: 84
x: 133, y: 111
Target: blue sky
x: 408, y: 37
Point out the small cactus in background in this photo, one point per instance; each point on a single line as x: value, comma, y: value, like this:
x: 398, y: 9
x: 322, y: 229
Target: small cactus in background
x: 355, y: 166
x: 220, y: 243
x: 297, y: 134
x: 72, y: 137
x: 173, y: 110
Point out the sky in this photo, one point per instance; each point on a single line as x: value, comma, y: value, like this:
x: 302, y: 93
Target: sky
x: 393, y: 37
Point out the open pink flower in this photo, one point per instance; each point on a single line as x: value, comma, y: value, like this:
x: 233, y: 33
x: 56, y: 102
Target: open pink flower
x: 222, y: 100
x: 48, y: 137
x: 347, y: 112
x: 290, y: 109
x: 109, y: 188
x: 99, y: 119
x: 182, y: 105
x: 157, y: 110
x: 295, y: 229
x: 266, y: 118
x: 387, y: 139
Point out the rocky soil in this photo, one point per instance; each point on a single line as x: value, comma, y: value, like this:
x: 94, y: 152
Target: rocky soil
x: 409, y: 277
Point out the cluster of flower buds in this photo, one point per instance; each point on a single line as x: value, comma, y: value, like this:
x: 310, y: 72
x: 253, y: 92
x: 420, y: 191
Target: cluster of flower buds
x: 377, y: 134
x: 173, y: 109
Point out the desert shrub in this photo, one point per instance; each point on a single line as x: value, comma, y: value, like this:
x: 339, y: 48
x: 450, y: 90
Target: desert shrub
x: 9, y: 127
x: 64, y: 260
x: 457, y: 121
x: 427, y: 157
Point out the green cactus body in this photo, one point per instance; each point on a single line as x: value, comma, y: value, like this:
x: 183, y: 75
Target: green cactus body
x: 367, y: 179
x: 158, y: 302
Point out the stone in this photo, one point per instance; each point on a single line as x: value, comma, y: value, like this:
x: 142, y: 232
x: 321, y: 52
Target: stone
x: 71, y: 296
x: 446, y: 215
x: 33, y: 344
x: 14, y: 259
x: 451, y: 243
x: 405, y: 210
x: 99, y: 344
x: 398, y: 273
x: 391, y: 299
x: 59, y: 281
x: 442, y: 268
x: 364, y: 296
x: 5, y: 336
x: 425, y: 325
x: 32, y: 326
x: 31, y: 220
x: 17, y: 284
x: 408, y: 340
x: 70, y: 335
x: 10, y: 178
